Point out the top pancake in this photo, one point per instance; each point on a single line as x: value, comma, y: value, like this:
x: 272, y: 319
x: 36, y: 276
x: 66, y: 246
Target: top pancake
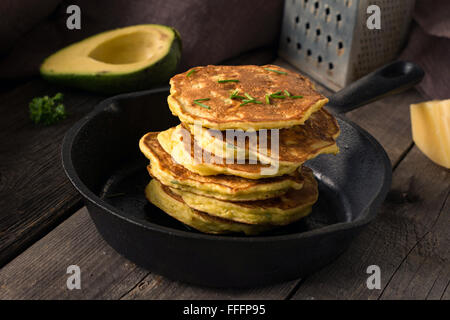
x: 222, y: 112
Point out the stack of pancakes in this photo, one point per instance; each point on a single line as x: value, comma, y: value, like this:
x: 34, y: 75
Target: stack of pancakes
x: 235, y: 163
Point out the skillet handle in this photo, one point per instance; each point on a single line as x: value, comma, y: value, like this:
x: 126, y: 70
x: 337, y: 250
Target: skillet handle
x: 390, y: 79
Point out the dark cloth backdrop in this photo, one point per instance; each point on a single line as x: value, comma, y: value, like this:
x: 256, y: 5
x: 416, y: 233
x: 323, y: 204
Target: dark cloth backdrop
x: 429, y: 46
x: 212, y: 30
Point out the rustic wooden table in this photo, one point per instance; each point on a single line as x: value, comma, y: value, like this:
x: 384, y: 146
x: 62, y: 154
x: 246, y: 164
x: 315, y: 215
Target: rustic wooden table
x: 44, y: 227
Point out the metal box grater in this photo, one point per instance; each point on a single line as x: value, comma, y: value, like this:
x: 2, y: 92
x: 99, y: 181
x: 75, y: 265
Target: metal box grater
x: 329, y: 39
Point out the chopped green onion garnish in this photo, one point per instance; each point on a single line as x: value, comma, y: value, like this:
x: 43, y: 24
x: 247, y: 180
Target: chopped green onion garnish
x: 277, y: 96
x: 267, y: 99
x: 191, y: 72
x: 249, y: 96
x: 201, y: 104
x: 287, y: 93
x: 245, y: 102
x: 202, y: 99
x: 277, y: 71
x: 234, y: 95
x: 296, y: 97
x: 230, y: 80
x: 250, y: 101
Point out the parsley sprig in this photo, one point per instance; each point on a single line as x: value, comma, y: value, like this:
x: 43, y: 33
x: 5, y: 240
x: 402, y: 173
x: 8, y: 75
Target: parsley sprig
x: 46, y: 110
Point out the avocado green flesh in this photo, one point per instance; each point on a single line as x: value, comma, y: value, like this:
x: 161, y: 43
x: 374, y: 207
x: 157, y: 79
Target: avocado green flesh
x: 121, y: 60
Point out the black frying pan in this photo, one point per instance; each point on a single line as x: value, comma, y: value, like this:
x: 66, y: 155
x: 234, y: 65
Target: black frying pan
x: 102, y: 159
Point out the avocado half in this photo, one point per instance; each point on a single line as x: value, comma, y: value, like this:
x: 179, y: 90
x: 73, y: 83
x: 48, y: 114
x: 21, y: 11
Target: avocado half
x: 122, y: 60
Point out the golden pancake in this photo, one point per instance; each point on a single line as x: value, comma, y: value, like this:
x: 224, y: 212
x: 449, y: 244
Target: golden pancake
x: 295, y: 145
x: 174, y: 206
x: 224, y: 187
x: 180, y: 144
x: 285, y: 209
x: 293, y: 99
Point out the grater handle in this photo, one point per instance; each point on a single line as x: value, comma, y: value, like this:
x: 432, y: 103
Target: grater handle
x: 390, y: 79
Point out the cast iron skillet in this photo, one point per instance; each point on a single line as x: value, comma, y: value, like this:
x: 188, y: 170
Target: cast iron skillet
x: 102, y: 159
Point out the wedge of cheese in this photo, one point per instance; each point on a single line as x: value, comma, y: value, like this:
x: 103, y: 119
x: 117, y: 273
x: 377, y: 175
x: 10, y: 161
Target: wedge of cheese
x: 431, y: 129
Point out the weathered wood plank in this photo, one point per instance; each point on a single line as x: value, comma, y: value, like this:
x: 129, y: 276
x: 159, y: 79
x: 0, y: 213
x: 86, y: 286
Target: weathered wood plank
x: 157, y: 287
x: 40, y: 272
x: 425, y: 271
x: 35, y: 192
x: 446, y: 295
x: 408, y: 241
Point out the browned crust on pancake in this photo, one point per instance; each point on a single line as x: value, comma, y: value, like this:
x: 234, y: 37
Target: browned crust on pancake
x: 181, y: 173
x: 200, y: 213
x: 254, y: 80
x: 293, y: 198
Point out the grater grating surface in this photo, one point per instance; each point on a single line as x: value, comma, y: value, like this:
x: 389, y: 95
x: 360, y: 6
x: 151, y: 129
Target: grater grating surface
x: 329, y: 39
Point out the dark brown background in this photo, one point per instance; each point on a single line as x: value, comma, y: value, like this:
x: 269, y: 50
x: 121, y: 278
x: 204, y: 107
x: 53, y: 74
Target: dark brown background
x: 212, y: 31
